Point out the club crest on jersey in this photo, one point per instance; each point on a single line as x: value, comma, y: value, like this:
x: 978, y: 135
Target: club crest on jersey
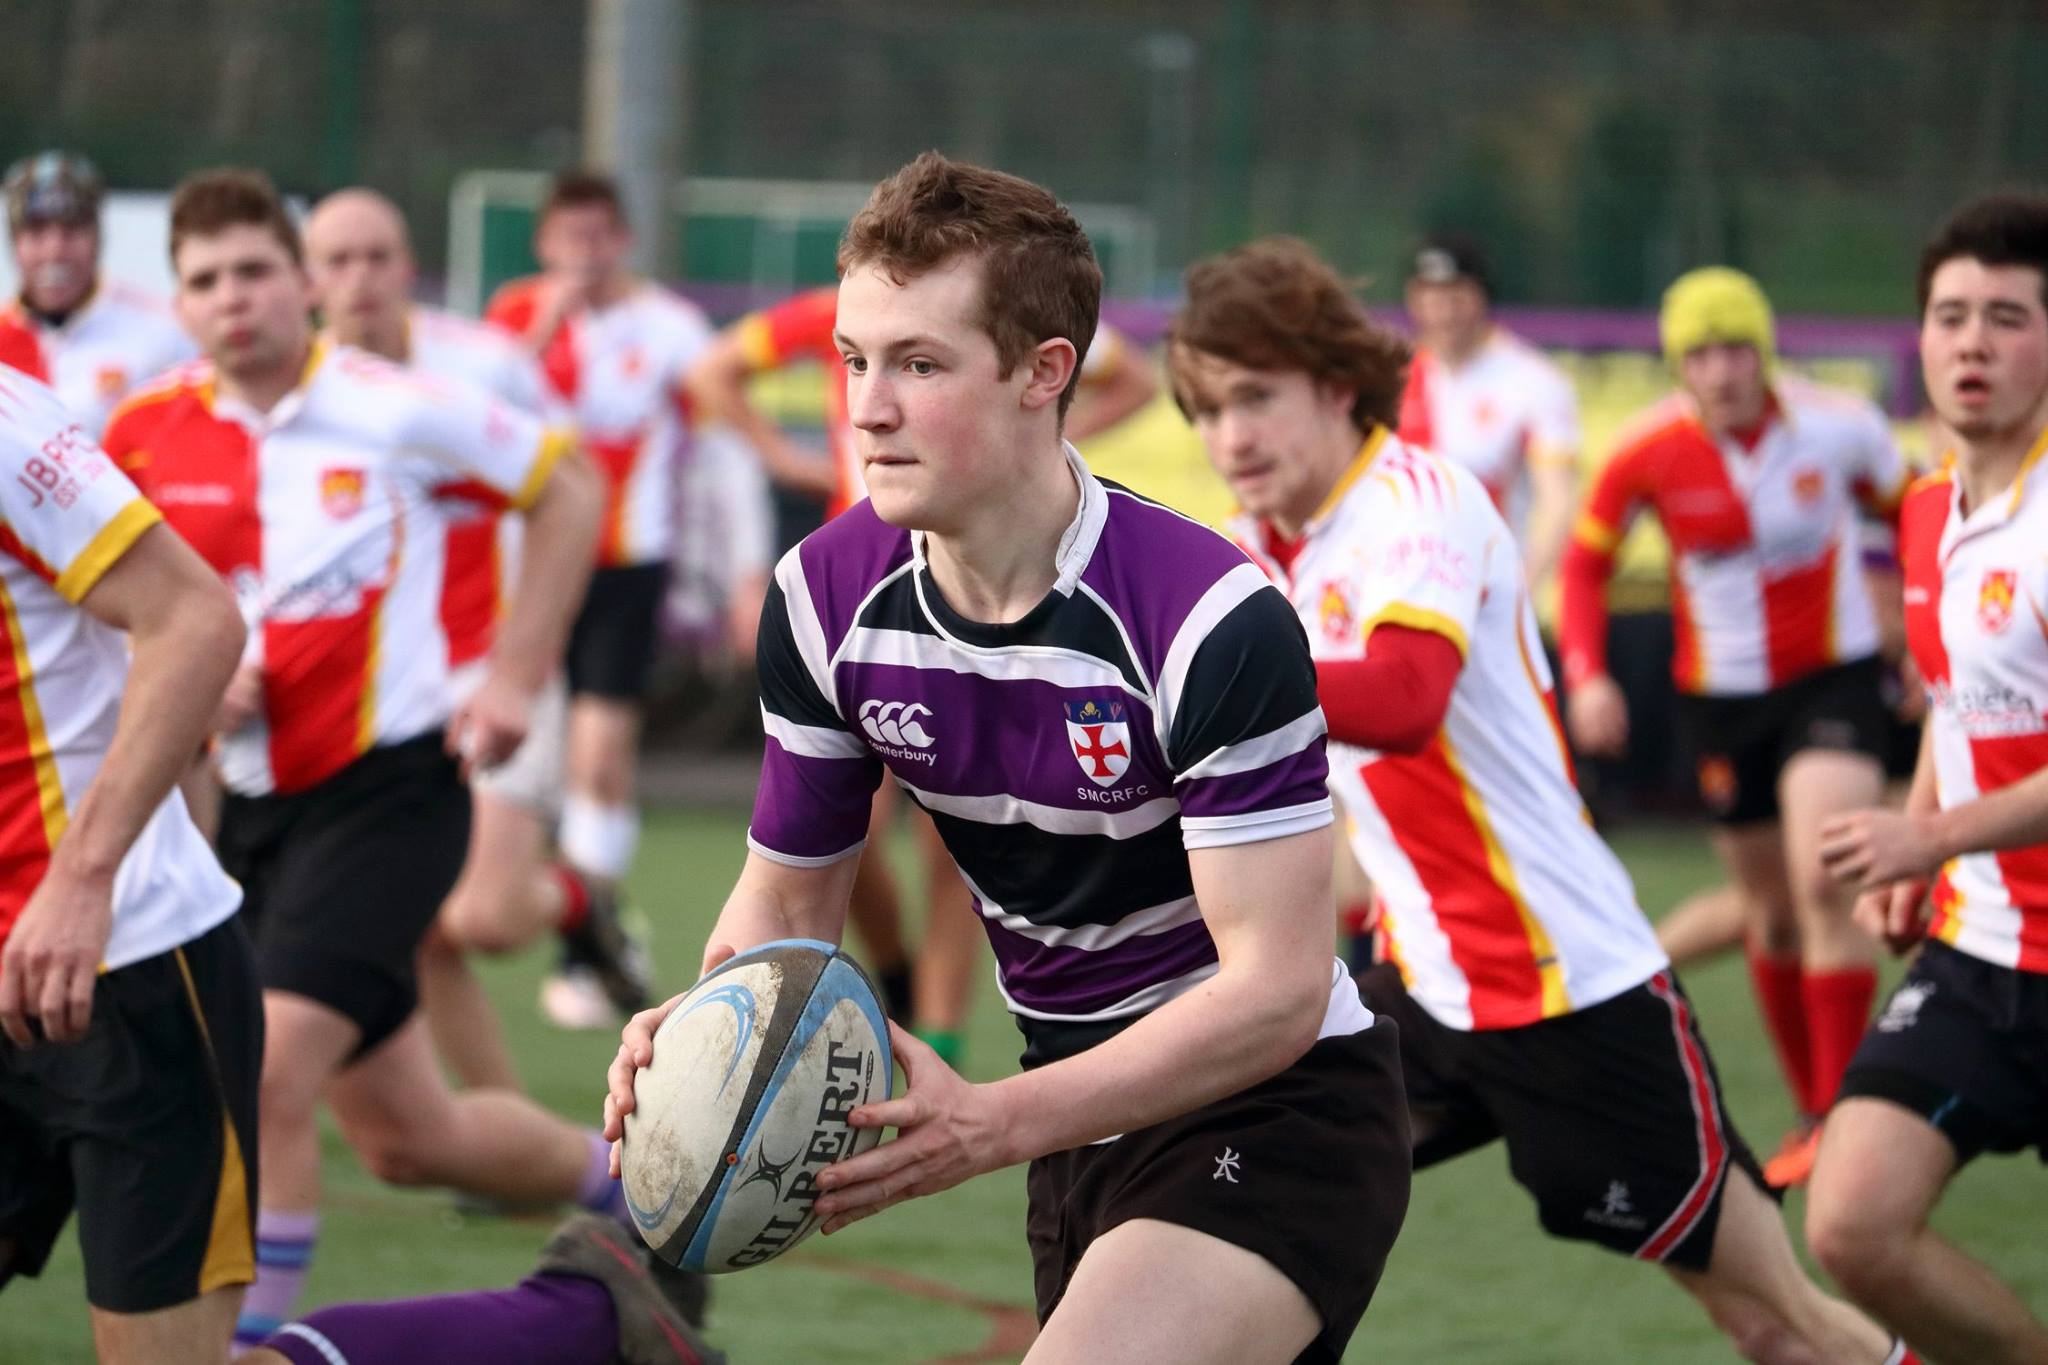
x: 1809, y: 485
x: 341, y: 492
x: 1995, y: 599
x: 1101, y: 738
x: 1333, y: 615
x: 111, y: 381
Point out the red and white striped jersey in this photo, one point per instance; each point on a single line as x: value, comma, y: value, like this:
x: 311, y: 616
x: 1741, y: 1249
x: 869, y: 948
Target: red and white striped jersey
x: 1977, y: 623
x: 1504, y: 411
x: 116, y: 341
x: 1766, y: 570
x: 483, y: 543
x: 66, y: 516
x: 1502, y: 904
x: 322, y: 515
x: 620, y: 369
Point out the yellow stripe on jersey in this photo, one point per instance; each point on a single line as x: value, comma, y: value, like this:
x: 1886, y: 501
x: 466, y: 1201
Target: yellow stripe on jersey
x: 555, y: 445
x: 1541, y: 950
x: 230, y: 1246
x: 49, y: 784
x: 2033, y: 458
x: 1595, y: 534
x: 1418, y: 618
x: 113, y: 541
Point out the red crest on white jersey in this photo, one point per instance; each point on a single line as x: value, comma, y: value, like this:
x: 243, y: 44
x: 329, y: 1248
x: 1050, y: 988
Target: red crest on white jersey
x: 341, y: 492
x: 1995, y: 599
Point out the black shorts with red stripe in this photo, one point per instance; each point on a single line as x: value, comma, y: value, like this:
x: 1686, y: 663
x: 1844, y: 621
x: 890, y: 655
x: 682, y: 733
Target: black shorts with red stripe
x: 1612, y: 1114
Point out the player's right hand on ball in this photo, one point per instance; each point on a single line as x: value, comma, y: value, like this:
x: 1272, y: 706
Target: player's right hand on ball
x: 636, y: 1050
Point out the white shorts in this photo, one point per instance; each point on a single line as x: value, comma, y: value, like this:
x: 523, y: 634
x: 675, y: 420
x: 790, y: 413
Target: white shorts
x: 532, y: 777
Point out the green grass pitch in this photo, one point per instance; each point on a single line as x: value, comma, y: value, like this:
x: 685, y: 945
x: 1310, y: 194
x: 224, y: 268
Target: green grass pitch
x: 1472, y: 1278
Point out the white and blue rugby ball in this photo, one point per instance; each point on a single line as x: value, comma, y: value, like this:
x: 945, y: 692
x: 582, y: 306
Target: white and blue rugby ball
x: 745, y: 1102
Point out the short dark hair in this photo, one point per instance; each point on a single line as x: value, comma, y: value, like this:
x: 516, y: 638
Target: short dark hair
x: 1039, y: 276
x: 1274, y: 304
x: 581, y: 188
x: 1998, y: 229
x: 210, y: 202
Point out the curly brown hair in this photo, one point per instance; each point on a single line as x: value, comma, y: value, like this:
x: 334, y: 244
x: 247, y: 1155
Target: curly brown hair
x: 1274, y: 304
x: 1039, y: 276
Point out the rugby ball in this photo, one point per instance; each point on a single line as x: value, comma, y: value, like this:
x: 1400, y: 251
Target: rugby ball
x: 754, y: 1073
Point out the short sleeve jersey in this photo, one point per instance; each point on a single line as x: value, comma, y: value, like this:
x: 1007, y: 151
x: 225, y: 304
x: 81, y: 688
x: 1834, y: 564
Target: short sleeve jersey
x: 119, y: 340
x: 483, y: 543
x: 1504, y: 411
x: 620, y: 370
x: 1976, y: 590
x: 1504, y: 907
x: 67, y: 515
x: 1159, y: 699
x: 322, y: 515
x: 1766, y: 581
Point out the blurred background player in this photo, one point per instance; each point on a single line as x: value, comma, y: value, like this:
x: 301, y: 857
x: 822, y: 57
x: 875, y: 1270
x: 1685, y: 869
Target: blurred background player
x: 1533, y: 1002
x: 91, y: 340
x: 1757, y: 478
x: 1116, y: 381
x: 1954, y: 1066
x: 1482, y: 397
x: 132, y: 1022
x: 305, y: 474
x: 614, y: 349
x: 359, y: 258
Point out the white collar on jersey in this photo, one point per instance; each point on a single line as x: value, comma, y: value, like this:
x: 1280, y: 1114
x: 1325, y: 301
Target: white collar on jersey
x: 1077, y: 542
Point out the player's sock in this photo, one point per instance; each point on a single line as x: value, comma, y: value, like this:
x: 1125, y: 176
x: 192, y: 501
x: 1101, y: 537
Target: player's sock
x: 599, y: 1192
x: 1837, y: 1012
x: 1779, y: 993
x: 284, y: 1248
x: 575, y: 899
x: 1901, y: 1354
x: 947, y: 1042
x: 543, y: 1320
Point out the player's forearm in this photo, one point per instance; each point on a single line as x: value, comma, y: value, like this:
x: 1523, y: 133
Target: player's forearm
x: 2011, y: 817
x: 720, y: 393
x: 1095, y: 410
x: 181, y: 662
x: 772, y: 900
x: 554, y: 569
x: 1582, y: 616
x: 1234, y: 1030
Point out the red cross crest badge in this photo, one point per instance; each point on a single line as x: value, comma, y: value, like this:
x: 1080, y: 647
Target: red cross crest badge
x: 1100, y: 737
x: 1995, y: 599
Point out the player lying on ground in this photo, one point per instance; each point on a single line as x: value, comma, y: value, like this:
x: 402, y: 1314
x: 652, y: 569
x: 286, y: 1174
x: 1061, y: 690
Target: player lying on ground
x: 1063, y: 662
x: 131, y: 1018
x: 1534, y: 1004
x: 1954, y: 1066
x: 1757, y: 478
x: 359, y: 258
x: 304, y: 474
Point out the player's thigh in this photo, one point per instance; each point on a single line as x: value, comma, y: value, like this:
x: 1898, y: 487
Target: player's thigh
x: 1752, y: 1260
x: 1150, y: 1291
x: 394, y: 1097
x: 1753, y: 856
x: 194, y: 1333
x: 1880, y: 1172
x: 508, y: 843
x: 1817, y: 784
x: 305, y: 1042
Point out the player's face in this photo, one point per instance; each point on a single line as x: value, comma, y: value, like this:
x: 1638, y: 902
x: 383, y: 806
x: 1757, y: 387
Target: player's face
x: 1726, y: 379
x: 243, y: 299
x: 935, y: 423
x: 1280, y: 439
x: 583, y: 243
x: 57, y: 262
x: 361, y: 272
x: 1984, y: 347
x: 1449, y: 316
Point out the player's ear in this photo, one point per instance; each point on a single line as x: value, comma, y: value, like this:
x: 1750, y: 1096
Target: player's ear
x: 1050, y: 364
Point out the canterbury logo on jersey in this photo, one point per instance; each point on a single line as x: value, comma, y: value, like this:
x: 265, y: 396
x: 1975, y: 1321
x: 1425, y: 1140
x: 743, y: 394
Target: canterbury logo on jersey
x: 896, y: 723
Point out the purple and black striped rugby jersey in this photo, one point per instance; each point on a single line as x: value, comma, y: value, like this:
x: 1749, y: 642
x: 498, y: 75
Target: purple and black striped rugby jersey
x: 1159, y: 699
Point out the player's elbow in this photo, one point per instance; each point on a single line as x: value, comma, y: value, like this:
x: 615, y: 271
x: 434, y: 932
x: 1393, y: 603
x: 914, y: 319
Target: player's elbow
x: 571, y: 503
x: 717, y: 383
x: 1288, y: 1014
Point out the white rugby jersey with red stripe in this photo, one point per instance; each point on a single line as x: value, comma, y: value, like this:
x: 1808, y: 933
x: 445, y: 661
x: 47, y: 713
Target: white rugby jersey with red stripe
x: 1977, y: 623
x: 483, y: 543
x: 66, y: 516
x: 1766, y: 575
x: 1503, y: 906
x: 116, y: 341
x: 620, y: 369
x: 1506, y: 410
x: 321, y: 514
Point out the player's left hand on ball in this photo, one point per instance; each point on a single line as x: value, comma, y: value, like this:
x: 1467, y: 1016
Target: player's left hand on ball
x: 636, y: 1050
x: 947, y: 1130
x: 490, y: 726
x: 51, y: 960
x: 1873, y: 848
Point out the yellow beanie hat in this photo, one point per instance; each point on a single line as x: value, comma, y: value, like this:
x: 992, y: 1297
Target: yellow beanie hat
x: 1716, y: 303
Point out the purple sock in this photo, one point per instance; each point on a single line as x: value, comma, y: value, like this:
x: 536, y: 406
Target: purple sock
x: 599, y: 1192
x: 284, y: 1249
x: 543, y: 1320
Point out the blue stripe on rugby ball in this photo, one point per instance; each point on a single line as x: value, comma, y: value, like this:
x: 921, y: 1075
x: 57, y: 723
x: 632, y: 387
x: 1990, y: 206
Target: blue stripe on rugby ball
x: 849, y: 983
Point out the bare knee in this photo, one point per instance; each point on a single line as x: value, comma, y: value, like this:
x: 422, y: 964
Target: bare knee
x: 1858, y: 1253
x: 477, y: 918
x: 397, y: 1156
x: 1756, y: 1333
